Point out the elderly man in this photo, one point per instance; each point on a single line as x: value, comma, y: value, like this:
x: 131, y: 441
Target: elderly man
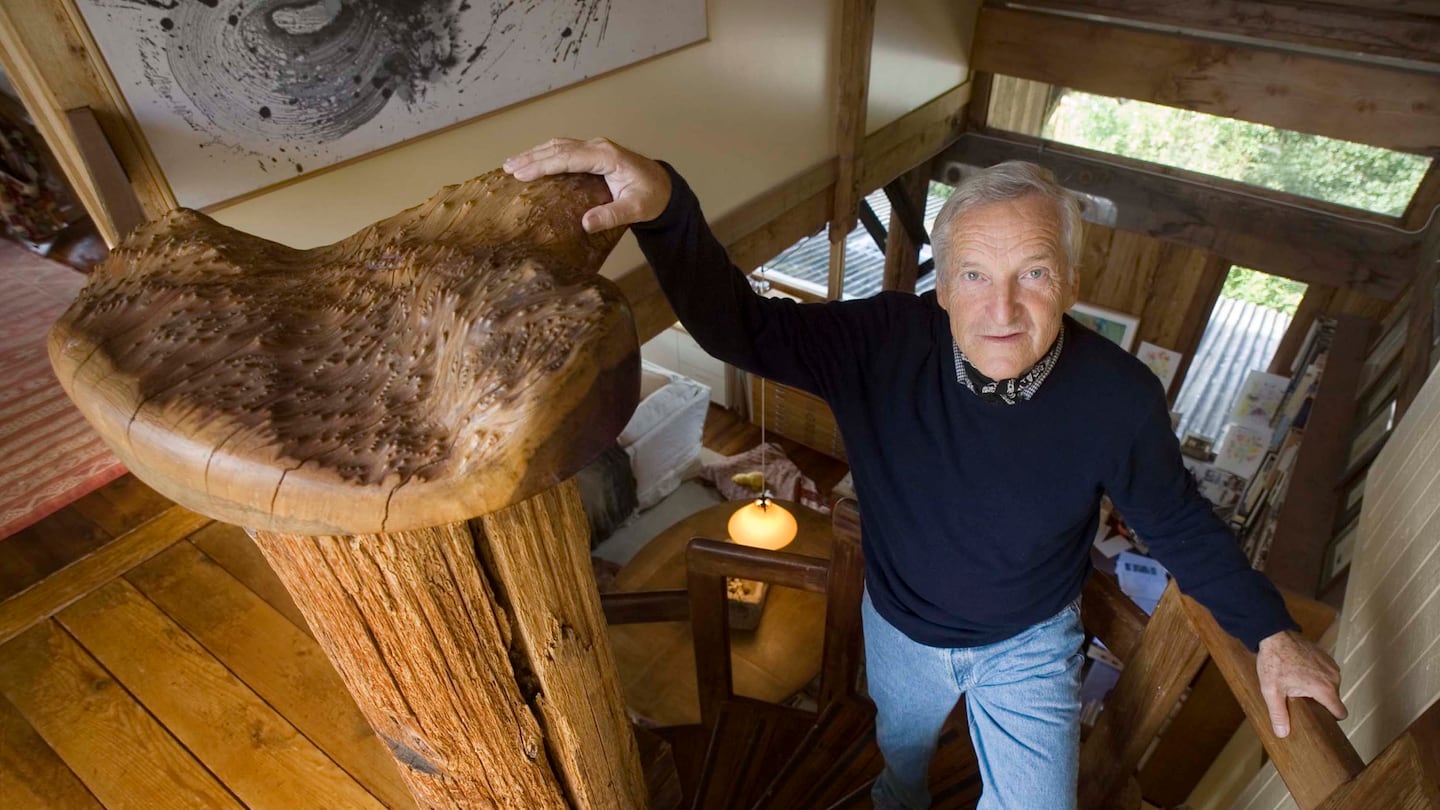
x: 982, y: 427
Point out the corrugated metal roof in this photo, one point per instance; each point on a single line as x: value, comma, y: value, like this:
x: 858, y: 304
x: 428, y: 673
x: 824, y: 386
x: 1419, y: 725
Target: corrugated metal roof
x: 809, y: 259
x: 1240, y: 337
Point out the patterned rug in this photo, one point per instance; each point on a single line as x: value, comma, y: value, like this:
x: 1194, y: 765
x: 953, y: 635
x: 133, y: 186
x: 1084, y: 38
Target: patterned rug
x: 49, y: 455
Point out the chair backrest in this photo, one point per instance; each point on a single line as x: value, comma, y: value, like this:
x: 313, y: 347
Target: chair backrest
x: 841, y: 579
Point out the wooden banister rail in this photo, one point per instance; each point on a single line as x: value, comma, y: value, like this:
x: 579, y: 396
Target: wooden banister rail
x: 710, y: 562
x: 1156, y: 674
x: 643, y: 607
x: 1316, y: 758
x: 1317, y: 762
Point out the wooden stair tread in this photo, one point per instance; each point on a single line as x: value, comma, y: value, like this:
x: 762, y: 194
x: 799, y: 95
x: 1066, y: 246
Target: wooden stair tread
x: 837, y: 755
x: 751, y: 741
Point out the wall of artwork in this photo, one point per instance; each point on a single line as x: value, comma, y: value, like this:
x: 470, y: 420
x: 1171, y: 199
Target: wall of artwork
x: 738, y: 114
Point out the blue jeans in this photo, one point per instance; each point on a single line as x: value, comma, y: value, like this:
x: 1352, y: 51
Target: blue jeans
x: 1021, y: 698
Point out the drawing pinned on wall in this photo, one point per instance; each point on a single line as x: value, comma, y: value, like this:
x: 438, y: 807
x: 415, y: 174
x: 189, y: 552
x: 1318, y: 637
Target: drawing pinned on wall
x: 236, y: 95
x: 1160, y: 360
x: 1112, y: 324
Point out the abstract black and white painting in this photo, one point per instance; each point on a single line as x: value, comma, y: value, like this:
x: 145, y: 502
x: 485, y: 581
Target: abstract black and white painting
x: 235, y: 95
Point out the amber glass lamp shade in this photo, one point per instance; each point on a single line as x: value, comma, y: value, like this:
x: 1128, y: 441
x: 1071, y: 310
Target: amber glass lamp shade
x: 762, y: 523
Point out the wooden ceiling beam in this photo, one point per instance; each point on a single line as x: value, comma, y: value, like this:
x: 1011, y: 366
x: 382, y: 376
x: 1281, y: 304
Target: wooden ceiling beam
x: 1277, y: 237
x: 1374, y: 104
x: 1348, y: 31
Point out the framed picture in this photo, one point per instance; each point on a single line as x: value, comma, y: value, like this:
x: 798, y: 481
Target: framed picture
x: 235, y: 97
x: 1116, y: 326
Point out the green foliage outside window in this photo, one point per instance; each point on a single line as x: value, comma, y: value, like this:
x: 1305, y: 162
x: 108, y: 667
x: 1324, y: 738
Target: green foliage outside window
x: 1351, y: 174
x: 1263, y: 289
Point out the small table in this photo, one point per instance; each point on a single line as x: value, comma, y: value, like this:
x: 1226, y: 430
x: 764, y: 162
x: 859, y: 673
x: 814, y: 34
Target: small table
x: 772, y: 662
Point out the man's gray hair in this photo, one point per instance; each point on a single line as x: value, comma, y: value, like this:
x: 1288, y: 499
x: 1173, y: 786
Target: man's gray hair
x: 1006, y: 181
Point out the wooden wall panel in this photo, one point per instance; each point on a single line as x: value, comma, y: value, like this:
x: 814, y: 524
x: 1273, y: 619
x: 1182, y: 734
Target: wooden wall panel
x: 1389, y: 644
x: 1169, y: 287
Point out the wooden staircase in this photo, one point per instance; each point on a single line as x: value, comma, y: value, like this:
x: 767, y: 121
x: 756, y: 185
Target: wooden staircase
x: 760, y: 756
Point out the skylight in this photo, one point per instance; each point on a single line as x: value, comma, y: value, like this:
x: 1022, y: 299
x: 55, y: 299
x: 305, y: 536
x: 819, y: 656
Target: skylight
x: 1341, y: 172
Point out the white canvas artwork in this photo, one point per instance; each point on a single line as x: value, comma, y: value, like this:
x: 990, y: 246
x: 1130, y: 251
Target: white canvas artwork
x: 236, y: 95
x: 1161, y: 361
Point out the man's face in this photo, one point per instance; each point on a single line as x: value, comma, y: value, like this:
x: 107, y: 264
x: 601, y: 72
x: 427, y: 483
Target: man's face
x: 1005, y: 284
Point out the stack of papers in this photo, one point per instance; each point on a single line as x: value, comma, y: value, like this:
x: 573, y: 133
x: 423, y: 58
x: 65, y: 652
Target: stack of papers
x: 1142, y: 579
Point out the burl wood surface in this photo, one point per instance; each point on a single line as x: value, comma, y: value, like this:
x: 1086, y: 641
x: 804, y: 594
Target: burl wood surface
x: 445, y: 363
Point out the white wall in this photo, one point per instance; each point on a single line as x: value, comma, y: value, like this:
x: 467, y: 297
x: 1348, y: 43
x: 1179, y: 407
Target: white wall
x: 737, y: 115
x: 1389, y: 645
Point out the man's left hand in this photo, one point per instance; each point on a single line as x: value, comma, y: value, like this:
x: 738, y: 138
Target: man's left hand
x: 1289, y: 666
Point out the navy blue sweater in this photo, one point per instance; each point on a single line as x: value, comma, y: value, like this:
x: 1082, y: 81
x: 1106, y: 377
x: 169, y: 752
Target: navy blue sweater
x: 977, y: 517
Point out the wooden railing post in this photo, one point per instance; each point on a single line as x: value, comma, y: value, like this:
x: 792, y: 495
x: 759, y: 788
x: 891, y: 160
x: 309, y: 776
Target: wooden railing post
x: 397, y: 418
x: 844, y: 589
x: 1155, y: 677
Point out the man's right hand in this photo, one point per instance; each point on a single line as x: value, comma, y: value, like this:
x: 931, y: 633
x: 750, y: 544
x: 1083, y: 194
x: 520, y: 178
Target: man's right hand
x: 639, y: 185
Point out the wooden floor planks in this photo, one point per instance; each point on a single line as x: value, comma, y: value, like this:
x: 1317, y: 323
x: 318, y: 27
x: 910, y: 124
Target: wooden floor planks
x: 31, y: 773
x: 282, y: 664
x: 117, y: 749
x: 254, y: 751
x: 149, y: 658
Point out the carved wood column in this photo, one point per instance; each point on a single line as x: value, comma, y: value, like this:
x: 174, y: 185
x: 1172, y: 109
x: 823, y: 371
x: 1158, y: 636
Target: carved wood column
x: 397, y: 418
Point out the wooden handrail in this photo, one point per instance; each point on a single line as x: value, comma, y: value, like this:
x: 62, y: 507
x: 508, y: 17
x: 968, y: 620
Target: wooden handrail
x: 643, y: 607
x: 1316, y: 758
x: 719, y: 558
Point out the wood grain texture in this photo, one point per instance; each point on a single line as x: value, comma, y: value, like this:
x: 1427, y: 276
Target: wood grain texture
x: 1384, y: 30
x: 1373, y: 104
x: 1111, y: 616
x: 239, y: 738
x: 1155, y: 677
x: 1404, y: 777
x: 1290, y: 237
x: 234, y: 550
x: 902, y: 252
x: 124, y: 757
x: 31, y: 773
x: 538, y: 554
x: 440, y: 364
x: 1208, y: 718
x: 410, y: 623
x: 852, y: 94
x: 1415, y: 358
x: 76, y: 580
x: 1315, y: 758
x: 273, y: 657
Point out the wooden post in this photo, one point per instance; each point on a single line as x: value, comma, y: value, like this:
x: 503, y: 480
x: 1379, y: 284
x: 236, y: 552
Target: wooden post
x: 902, y: 253
x: 1420, y: 335
x: 397, y: 417
x: 852, y: 93
x: 1155, y: 676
